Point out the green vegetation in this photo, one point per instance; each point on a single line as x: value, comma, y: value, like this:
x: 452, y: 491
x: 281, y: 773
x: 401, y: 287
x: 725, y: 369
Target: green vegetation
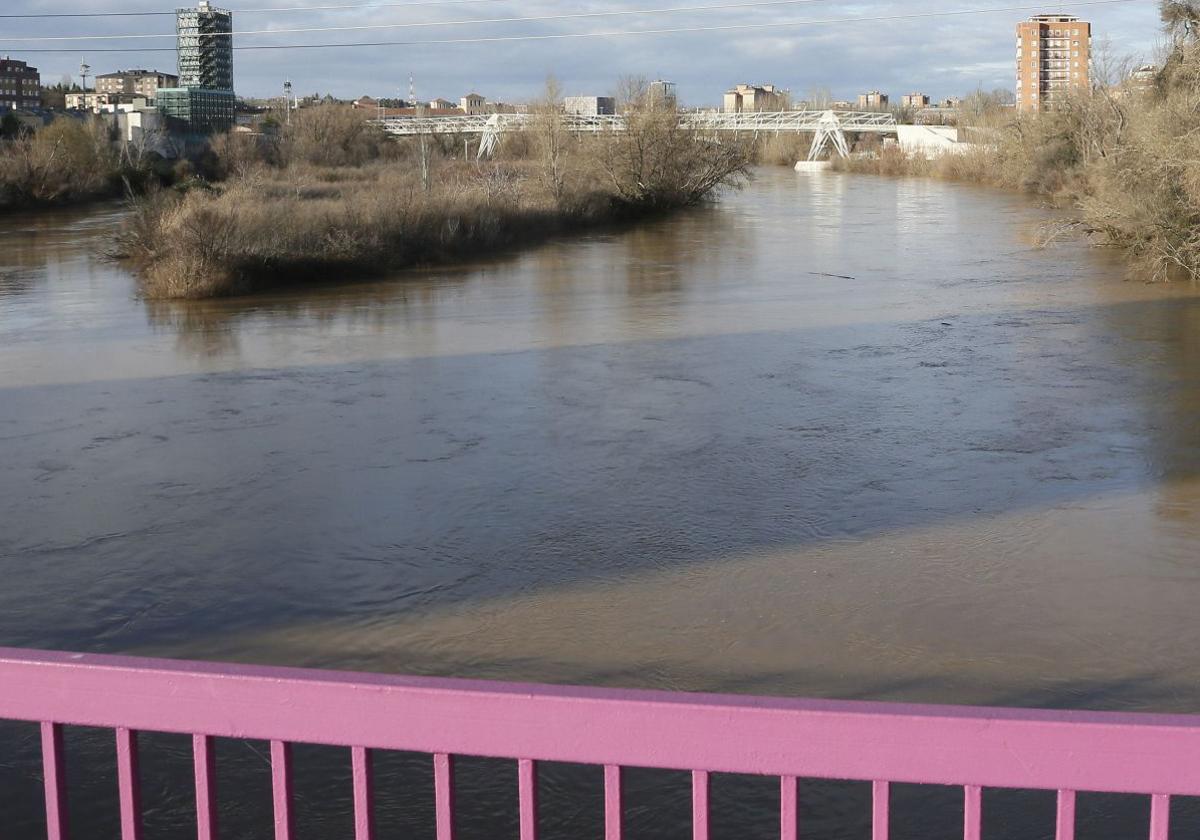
x: 332, y: 194
x: 1123, y: 155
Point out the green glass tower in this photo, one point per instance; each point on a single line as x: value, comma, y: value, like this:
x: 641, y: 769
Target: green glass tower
x: 204, y: 99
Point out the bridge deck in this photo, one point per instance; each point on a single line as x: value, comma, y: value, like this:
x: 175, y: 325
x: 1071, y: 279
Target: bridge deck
x: 776, y: 121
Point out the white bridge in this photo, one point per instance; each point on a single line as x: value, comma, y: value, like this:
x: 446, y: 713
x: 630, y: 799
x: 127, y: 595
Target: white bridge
x: 828, y: 127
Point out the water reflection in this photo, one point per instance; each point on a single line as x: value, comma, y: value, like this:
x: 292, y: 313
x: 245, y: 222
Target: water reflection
x: 837, y: 436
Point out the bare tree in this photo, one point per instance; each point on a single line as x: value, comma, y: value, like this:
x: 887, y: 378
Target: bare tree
x: 656, y: 163
x: 552, y: 132
x: 632, y: 93
x: 820, y: 98
x: 1182, y: 19
x: 1109, y: 69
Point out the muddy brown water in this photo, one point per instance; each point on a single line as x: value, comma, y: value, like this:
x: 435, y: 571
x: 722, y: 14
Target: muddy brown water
x: 836, y: 436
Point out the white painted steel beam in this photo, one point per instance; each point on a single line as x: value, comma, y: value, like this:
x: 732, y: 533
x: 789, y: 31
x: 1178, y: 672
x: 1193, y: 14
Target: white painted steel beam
x: 828, y: 127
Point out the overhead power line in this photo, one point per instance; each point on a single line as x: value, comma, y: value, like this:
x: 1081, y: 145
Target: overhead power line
x: 42, y: 15
x: 430, y: 23
x: 612, y: 34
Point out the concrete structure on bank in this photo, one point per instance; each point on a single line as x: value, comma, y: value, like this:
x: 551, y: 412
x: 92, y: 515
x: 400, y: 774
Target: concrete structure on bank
x: 752, y: 98
x: 138, y: 122
x: 204, y: 100
x: 930, y: 141
x: 136, y: 82
x: 1053, y: 59
x: 20, y: 85
x: 590, y: 106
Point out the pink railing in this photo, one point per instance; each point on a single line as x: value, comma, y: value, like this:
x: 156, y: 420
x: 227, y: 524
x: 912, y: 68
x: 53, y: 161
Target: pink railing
x: 974, y: 748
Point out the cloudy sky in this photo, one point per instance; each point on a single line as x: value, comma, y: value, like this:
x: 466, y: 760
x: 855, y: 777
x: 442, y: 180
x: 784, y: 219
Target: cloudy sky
x: 941, y: 55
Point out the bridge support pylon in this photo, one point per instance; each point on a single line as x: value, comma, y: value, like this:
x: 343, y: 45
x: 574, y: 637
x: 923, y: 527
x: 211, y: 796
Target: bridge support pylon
x: 829, y: 130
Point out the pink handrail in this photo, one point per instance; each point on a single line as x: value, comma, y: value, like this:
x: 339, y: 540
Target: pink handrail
x: 1157, y: 755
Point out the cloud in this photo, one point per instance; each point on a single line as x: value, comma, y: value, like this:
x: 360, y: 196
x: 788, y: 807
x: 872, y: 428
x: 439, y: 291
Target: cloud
x: 941, y: 56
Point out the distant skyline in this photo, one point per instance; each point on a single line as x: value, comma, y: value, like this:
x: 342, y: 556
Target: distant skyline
x: 944, y: 56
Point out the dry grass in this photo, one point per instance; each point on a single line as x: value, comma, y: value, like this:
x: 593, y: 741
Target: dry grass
x: 333, y: 193
x: 286, y: 225
x: 68, y: 160
x: 783, y: 148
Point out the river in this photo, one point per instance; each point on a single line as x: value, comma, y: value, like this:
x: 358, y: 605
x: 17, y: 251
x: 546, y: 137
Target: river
x: 835, y: 436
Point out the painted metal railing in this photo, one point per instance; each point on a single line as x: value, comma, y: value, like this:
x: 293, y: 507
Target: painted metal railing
x: 975, y: 748
x: 827, y: 126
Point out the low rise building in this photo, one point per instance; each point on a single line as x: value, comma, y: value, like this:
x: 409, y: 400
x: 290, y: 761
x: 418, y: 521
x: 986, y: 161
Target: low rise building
x: 914, y: 100
x: 200, y: 109
x: 590, y: 106
x: 89, y: 100
x: 873, y: 101
x: 750, y: 98
x: 137, y: 122
x: 136, y: 82
x: 473, y: 103
x: 661, y: 92
x: 1144, y: 76
x: 20, y: 85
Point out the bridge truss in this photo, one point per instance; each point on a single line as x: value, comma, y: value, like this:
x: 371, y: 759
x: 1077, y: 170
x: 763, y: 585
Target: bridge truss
x: 829, y: 128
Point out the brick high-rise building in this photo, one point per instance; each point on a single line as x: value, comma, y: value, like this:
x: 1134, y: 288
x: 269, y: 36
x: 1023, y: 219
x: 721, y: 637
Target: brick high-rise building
x: 1053, y: 59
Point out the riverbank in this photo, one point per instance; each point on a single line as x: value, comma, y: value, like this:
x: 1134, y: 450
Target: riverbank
x: 70, y: 162
x: 1121, y: 156
x: 310, y: 214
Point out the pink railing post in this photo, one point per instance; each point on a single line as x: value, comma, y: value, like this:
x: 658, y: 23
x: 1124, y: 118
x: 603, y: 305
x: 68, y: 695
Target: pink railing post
x: 699, y: 805
x: 281, y: 788
x: 54, y: 772
x: 527, y: 794
x: 972, y: 812
x: 613, y: 817
x: 443, y: 795
x: 1064, y: 820
x: 880, y: 792
x: 129, y: 784
x: 973, y: 748
x: 364, y: 793
x: 204, y: 763
x: 1160, y: 817
x: 788, y: 808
